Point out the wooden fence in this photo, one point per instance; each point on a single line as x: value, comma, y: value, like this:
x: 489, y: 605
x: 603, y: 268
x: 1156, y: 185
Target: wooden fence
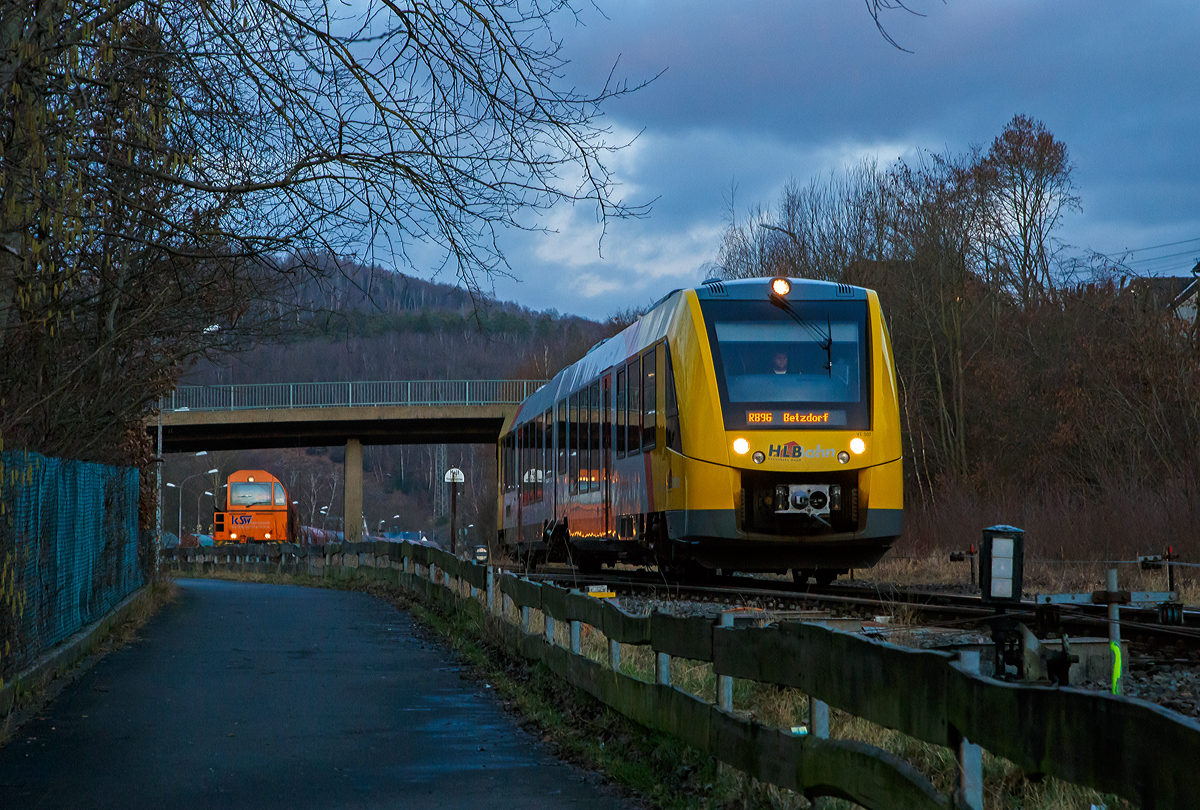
x: 1122, y: 746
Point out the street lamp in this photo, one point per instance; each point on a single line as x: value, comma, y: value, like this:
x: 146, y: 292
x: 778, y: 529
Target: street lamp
x: 179, y: 486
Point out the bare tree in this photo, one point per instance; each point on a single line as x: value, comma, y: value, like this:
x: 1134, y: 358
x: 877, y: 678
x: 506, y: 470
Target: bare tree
x: 163, y: 163
x: 1027, y: 174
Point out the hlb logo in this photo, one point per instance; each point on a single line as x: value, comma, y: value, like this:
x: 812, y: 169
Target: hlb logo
x: 794, y: 450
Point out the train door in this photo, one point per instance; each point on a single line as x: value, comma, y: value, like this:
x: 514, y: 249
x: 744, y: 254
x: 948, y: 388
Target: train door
x: 606, y: 464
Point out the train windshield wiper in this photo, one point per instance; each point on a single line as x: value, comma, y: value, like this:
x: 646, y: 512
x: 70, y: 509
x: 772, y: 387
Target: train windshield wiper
x: 825, y: 338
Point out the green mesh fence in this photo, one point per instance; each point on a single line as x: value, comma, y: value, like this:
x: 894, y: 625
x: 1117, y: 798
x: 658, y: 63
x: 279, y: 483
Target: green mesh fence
x: 68, y: 550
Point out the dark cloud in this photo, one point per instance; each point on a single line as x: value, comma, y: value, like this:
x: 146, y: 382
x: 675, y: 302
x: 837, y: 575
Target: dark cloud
x: 757, y: 93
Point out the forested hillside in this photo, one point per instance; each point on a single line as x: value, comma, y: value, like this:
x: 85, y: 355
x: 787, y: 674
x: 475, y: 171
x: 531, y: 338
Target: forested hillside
x: 374, y: 325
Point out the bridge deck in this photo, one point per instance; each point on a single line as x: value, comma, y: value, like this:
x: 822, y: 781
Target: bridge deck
x: 186, y: 431
x: 244, y: 417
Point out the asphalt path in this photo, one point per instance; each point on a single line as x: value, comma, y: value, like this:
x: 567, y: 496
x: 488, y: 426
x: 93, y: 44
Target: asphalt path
x: 262, y: 696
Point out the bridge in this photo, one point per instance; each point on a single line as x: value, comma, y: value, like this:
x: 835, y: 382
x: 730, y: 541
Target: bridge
x: 323, y: 414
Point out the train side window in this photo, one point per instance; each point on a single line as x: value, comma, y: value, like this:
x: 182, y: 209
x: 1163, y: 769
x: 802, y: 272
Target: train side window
x: 649, y: 400
x: 548, y: 449
x: 621, y: 414
x: 562, y: 438
x: 510, y: 474
x: 280, y: 495
x: 674, y: 439
x: 573, y: 420
x: 594, y: 444
x: 585, y: 439
x: 520, y: 466
x: 634, y: 422
x: 539, y: 455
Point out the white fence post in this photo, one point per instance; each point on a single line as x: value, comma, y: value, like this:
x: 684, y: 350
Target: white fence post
x: 614, y: 655
x: 491, y: 579
x: 725, y: 682
x: 970, y: 755
x: 662, y: 669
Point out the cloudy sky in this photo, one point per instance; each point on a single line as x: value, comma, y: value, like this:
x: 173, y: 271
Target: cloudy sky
x: 755, y: 93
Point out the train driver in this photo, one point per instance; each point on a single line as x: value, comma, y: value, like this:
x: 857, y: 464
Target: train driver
x: 780, y: 362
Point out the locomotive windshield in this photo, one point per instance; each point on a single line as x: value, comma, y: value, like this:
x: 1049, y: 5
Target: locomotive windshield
x: 257, y: 493
x: 803, y: 365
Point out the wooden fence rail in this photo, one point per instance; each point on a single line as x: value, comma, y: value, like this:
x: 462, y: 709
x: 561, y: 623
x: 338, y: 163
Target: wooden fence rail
x: 1117, y: 745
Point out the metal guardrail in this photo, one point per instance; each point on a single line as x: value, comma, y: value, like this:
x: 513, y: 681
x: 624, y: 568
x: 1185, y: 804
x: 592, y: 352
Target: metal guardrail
x: 1128, y: 747
x: 349, y: 394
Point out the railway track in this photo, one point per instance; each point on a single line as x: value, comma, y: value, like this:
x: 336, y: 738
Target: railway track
x: 1148, y: 639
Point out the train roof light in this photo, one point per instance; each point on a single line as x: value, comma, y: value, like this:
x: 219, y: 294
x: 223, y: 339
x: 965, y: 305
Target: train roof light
x: 741, y: 446
x: 781, y: 286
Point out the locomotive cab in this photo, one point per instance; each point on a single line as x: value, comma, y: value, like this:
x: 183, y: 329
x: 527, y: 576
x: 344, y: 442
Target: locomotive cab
x: 749, y: 425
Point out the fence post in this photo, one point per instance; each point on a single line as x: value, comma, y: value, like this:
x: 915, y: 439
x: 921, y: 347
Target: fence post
x: 491, y: 579
x: 662, y: 669
x: 525, y: 618
x: 970, y: 756
x: 725, y: 682
x: 575, y: 637
x: 549, y: 627
x: 818, y: 718
x: 614, y: 655
x: 1114, y: 632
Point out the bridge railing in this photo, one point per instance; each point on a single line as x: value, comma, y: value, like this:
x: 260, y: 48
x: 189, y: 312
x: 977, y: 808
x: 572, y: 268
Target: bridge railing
x: 349, y: 394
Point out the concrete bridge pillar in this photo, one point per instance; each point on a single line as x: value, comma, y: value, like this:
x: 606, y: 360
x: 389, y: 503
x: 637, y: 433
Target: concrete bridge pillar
x: 352, y: 494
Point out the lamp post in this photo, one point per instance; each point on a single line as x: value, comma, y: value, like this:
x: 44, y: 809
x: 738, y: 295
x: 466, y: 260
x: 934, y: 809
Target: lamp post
x: 179, y: 486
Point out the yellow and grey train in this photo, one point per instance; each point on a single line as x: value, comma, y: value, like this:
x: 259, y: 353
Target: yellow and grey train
x: 747, y: 425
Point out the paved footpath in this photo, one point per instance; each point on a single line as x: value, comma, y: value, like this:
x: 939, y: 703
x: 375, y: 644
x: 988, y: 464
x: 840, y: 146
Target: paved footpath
x: 272, y: 696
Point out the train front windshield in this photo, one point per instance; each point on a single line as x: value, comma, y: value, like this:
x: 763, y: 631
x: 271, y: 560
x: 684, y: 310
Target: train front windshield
x: 800, y: 366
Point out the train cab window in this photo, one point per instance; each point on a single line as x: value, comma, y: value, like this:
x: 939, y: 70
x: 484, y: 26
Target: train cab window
x: 649, y: 400
x: 562, y: 438
x: 280, y: 495
x: 671, y: 418
x: 634, y: 407
x: 247, y: 493
x: 594, y: 438
x: 804, y: 365
x: 573, y: 421
x: 620, y: 414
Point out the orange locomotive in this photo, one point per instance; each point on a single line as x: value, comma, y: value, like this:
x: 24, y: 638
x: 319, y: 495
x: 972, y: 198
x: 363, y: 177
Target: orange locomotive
x: 257, y: 510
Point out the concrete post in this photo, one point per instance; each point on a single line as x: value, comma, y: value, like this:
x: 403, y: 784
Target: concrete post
x: 525, y: 618
x: 491, y: 580
x: 818, y: 718
x: 614, y: 655
x: 1114, y: 633
x: 725, y: 682
x: 575, y: 637
x: 352, y: 493
x: 662, y: 669
x: 549, y: 628
x: 970, y: 756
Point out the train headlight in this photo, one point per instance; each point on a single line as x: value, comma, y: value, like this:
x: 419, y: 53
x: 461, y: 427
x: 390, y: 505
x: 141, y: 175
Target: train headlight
x: 741, y: 446
x: 233, y: 537
x: 759, y: 457
x: 268, y: 535
x: 857, y: 445
x: 781, y: 286
x: 844, y: 457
